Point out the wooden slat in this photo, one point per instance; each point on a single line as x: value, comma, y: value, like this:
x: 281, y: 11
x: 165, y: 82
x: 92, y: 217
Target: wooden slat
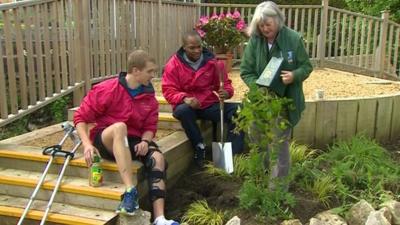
x: 55, y: 46
x: 47, y: 55
x: 304, y: 131
x: 346, y: 125
x: 289, y: 20
x: 330, y: 45
x: 95, y: 39
x: 343, y: 39
x: 107, y: 32
x: 325, y: 127
x: 76, y: 29
x: 368, y: 50
x: 117, y: 36
x: 362, y: 54
x: 113, y: 37
x: 23, y: 92
x: 29, y: 52
x: 337, y: 35
x: 314, y: 45
x: 302, y: 21
x: 124, y: 34
x: 350, y: 40
x: 39, y: 54
x: 3, y: 95
x: 355, y: 46
x: 390, y: 48
x: 366, y: 117
x: 102, y: 31
x: 12, y: 82
x: 396, y: 51
x: 63, y: 48
x: 296, y: 18
x: 72, y: 39
x: 383, y: 118
x: 395, y: 129
x: 376, y: 39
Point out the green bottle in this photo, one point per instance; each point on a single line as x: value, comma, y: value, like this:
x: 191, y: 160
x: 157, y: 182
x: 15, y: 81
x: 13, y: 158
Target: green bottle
x: 96, y: 172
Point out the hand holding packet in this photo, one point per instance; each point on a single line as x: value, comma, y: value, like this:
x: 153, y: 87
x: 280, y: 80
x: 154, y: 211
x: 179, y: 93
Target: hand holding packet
x: 271, y: 76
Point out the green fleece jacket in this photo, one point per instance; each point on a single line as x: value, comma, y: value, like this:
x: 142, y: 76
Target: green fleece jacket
x: 289, y: 45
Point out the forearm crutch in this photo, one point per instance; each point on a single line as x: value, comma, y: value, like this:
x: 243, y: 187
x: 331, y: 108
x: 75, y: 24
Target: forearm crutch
x: 54, y: 151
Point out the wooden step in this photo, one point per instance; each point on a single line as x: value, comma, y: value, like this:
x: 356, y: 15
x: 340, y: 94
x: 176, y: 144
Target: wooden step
x: 11, y: 209
x: 32, y: 159
x: 73, y: 190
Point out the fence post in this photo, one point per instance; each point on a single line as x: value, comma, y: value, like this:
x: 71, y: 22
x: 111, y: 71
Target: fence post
x: 82, y: 47
x: 159, y: 40
x: 381, y: 56
x: 322, y: 34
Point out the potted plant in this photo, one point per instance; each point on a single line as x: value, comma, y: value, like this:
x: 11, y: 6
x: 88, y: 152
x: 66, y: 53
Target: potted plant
x: 221, y: 33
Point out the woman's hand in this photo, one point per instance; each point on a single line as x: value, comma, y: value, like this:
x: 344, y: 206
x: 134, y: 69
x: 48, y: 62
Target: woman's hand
x: 287, y: 77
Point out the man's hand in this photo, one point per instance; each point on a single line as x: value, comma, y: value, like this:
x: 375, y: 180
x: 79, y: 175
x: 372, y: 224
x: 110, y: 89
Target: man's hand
x: 142, y: 148
x: 192, y: 102
x: 287, y: 77
x: 88, y: 151
x: 223, y: 94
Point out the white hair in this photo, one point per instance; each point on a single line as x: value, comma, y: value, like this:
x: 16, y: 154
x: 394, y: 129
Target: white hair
x: 265, y: 10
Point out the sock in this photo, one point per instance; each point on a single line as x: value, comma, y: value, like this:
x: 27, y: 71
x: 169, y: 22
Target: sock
x: 159, y: 220
x: 201, y: 145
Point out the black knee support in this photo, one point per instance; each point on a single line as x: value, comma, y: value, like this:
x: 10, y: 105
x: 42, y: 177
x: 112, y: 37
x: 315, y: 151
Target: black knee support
x: 153, y: 177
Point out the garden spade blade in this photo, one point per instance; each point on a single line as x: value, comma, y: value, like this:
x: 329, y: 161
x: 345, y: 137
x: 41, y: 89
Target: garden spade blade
x: 222, y: 152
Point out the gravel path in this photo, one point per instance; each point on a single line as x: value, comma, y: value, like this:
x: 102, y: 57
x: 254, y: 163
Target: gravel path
x: 334, y: 83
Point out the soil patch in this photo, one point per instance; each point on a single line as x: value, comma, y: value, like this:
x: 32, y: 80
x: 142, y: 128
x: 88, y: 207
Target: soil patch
x: 334, y: 83
x: 222, y: 194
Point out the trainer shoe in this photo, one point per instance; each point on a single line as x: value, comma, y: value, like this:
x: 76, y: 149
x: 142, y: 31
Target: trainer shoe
x: 199, y: 157
x: 162, y: 221
x: 129, y: 202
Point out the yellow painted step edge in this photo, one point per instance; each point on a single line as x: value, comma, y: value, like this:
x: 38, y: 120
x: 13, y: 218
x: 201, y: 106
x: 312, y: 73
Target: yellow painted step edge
x: 68, y: 188
x: 80, y: 162
x: 162, y: 116
x: 52, y: 217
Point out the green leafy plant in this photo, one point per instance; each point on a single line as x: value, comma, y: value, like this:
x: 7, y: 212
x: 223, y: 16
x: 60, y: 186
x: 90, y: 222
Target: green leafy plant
x: 200, y: 213
x: 300, y: 153
x: 222, y: 32
x: 323, y: 188
x: 260, y: 113
x: 362, y: 170
x: 59, y: 108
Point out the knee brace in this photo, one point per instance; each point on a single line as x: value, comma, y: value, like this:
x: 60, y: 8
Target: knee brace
x: 153, y: 177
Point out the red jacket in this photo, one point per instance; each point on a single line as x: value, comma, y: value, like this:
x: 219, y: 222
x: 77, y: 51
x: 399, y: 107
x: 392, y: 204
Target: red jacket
x: 179, y: 80
x: 110, y: 102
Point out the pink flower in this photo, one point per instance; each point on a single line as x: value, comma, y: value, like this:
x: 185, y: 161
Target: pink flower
x: 201, y: 33
x: 221, y: 16
x: 229, y: 15
x: 236, y: 15
x: 240, y: 25
x: 203, y: 20
x: 214, y: 16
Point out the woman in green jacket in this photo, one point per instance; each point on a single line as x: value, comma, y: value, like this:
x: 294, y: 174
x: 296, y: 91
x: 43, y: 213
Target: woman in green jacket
x: 269, y: 37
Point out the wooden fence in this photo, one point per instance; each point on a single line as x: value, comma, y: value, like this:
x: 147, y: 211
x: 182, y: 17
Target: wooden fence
x: 53, y: 47
x: 336, y: 38
x: 340, y: 119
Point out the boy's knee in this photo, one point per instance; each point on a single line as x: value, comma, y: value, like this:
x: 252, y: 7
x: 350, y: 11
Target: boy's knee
x: 120, y: 127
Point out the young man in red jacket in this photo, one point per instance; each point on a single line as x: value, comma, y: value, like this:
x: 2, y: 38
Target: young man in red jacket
x: 191, y: 84
x: 124, y: 111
